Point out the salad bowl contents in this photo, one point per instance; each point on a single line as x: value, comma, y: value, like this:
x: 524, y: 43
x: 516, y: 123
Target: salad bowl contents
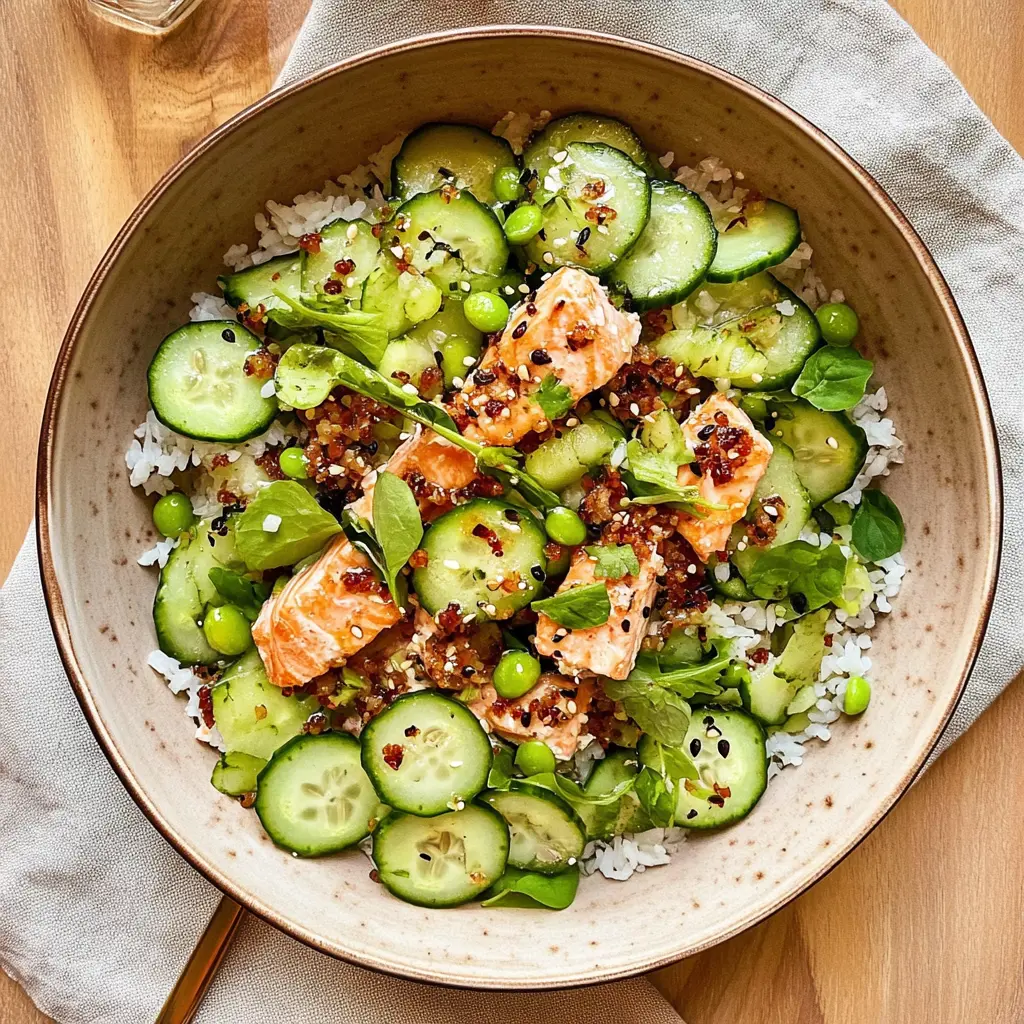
x: 528, y: 524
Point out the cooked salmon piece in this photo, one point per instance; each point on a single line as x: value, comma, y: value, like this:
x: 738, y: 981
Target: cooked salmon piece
x: 547, y: 712
x: 324, y: 614
x: 571, y: 332
x: 732, y: 456
x: 444, y: 467
x: 609, y: 649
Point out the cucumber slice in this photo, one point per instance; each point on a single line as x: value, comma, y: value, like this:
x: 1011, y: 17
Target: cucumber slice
x: 451, y: 238
x: 198, y: 385
x: 255, y: 286
x: 185, y: 590
x: 543, y: 152
x: 760, y: 240
x: 600, y: 181
x: 767, y: 695
x: 829, y: 448
x: 406, y: 356
x: 459, y: 154
x: 563, y: 460
x: 546, y: 834
x: 426, y: 754
x: 463, y: 565
x: 604, y: 821
x: 728, y: 749
x: 235, y: 773
x: 674, y: 252
x: 253, y: 716
x: 441, y: 861
x: 314, y: 797
x: 401, y: 299
x: 344, y: 242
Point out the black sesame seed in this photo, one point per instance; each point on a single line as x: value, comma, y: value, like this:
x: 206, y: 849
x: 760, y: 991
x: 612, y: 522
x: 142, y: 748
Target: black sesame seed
x: 625, y: 625
x: 539, y: 357
x: 557, y: 655
x: 525, y: 718
x: 227, y: 334
x: 542, y: 235
x: 695, y: 469
x: 484, y: 377
x: 445, y: 173
x: 799, y: 602
x: 424, y: 856
x: 694, y: 747
x: 705, y: 432
x: 439, y: 357
x: 531, y: 309
x: 468, y: 670
x: 647, y: 613
x: 512, y: 515
x: 423, y: 236
x: 537, y: 573
x: 524, y: 178
x: 582, y: 238
x: 453, y: 286
x: 520, y: 330
x: 723, y: 748
x: 691, y: 813
x: 568, y: 693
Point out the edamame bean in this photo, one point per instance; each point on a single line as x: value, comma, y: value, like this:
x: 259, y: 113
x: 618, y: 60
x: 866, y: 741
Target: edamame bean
x: 516, y: 673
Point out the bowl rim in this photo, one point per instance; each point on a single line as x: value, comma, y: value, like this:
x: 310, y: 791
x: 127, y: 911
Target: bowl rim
x: 55, y: 394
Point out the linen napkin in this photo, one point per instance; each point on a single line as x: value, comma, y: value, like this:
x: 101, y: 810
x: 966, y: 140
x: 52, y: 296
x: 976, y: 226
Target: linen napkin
x: 98, y: 913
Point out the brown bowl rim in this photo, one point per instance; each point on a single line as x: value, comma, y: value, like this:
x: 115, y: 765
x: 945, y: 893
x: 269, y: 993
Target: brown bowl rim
x: 54, y: 599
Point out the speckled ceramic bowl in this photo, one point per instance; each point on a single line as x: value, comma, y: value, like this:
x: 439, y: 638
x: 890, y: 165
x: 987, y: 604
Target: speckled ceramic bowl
x: 91, y: 525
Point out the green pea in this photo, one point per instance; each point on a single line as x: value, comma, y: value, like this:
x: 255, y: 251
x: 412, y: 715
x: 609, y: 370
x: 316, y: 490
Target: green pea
x: 565, y: 527
x: 486, y: 311
x: 523, y: 223
x: 506, y: 184
x: 515, y: 674
x: 227, y: 630
x: 858, y: 695
x: 294, y: 463
x: 173, y: 514
x: 458, y: 357
x: 734, y: 676
x: 534, y: 758
x: 838, y: 323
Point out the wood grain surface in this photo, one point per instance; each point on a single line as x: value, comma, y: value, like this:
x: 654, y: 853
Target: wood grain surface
x: 924, y: 923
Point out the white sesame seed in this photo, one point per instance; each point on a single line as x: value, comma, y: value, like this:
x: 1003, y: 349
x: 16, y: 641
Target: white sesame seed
x: 465, y: 286
x: 460, y: 805
x: 454, y: 764
x: 357, y: 632
x: 397, y: 251
x: 613, y: 400
x: 561, y: 155
x: 351, y: 233
x: 544, y: 277
x: 571, y: 707
x: 523, y: 372
x: 450, y: 563
x: 771, y: 510
x: 404, y: 436
x: 559, y: 241
x: 490, y: 609
x: 549, y: 258
x: 468, y: 360
x: 521, y: 584
x: 508, y: 290
x: 571, y: 861
x: 335, y: 470
x: 350, y: 281
x: 693, y: 391
x: 410, y: 389
x: 457, y: 382
x: 634, y: 408
x: 756, y: 378
x: 831, y: 442
x: 742, y: 546
x: 691, y: 568
x: 572, y: 422
x: 524, y: 289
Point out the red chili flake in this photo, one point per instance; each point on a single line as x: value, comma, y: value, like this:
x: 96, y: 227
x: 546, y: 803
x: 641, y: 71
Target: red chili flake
x: 344, y: 267
x: 449, y: 192
x: 449, y: 619
x: 314, y: 725
x: 724, y: 449
x: 220, y: 460
x: 827, y: 639
x: 374, y: 875
x: 206, y: 706
x: 760, y: 656
x: 393, y: 754
x: 493, y: 541
x: 310, y: 243
x: 494, y: 408
x: 247, y: 800
x: 419, y: 559
x: 275, y: 276
x: 580, y: 336
x: 377, y: 230
x: 592, y: 190
x: 600, y: 214
x: 363, y: 581
x: 253, y: 318
x: 553, y: 551
x: 723, y: 791
x: 764, y: 525
x: 658, y: 321
x: 333, y: 286
x: 270, y: 463
x: 412, y: 731
x: 260, y: 364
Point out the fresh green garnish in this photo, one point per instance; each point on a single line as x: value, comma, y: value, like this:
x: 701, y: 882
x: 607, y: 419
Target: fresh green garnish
x: 518, y: 888
x: 516, y: 673
x: 838, y: 323
x: 672, y: 762
x: 658, y: 711
x: 398, y: 527
x: 554, y: 398
x: 359, y: 329
x: 565, y: 527
x: 534, y: 758
x: 613, y: 561
x: 652, y: 477
x: 173, y: 515
x: 799, y: 568
x: 282, y: 525
x: 834, y: 379
x: 239, y: 590
x: 227, y: 630
x: 577, y: 608
x: 877, y: 527
x: 686, y: 679
x: 656, y: 797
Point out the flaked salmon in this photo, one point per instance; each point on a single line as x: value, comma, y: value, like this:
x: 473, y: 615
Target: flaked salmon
x: 732, y: 456
x: 547, y: 713
x: 569, y: 332
x: 610, y: 649
x: 324, y: 614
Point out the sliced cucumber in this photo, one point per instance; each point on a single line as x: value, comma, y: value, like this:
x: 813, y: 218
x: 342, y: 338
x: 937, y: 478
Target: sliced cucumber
x: 762, y: 238
x: 766, y: 695
x: 406, y: 356
x: 459, y: 154
x: 625, y: 815
x: 828, y: 447
x: 198, y: 385
x: 348, y: 244
x: 601, y: 205
x: 545, y: 149
x: 426, y: 753
x: 314, y: 797
x: 255, y: 286
x: 450, y: 237
x: 401, y: 298
x: 546, y: 834
x: 728, y: 749
x: 464, y: 566
x: 253, y: 716
x: 674, y: 252
x: 235, y: 773
x: 563, y: 460
x: 441, y: 861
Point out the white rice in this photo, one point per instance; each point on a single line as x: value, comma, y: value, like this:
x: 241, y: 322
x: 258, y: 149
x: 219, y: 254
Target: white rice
x: 182, y: 679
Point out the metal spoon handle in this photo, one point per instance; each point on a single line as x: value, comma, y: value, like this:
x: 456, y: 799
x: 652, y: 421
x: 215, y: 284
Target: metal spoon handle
x: 194, y: 980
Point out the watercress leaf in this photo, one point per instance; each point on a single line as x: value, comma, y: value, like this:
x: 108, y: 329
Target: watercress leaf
x: 306, y: 375
x: 655, y: 709
x: 656, y: 798
x: 304, y: 526
x: 502, y: 767
x: 651, y: 477
x: 799, y: 568
x: 360, y: 329
x: 397, y: 524
x: 686, y: 680
x: 877, y: 527
x: 239, y: 590
x: 572, y: 793
x: 613, y: 561
x: 672, y: 762
x: 554, y: 398
x: 360, y: 533
x: 528, y: 888
x: 578, y: 608
x: 833, y: 379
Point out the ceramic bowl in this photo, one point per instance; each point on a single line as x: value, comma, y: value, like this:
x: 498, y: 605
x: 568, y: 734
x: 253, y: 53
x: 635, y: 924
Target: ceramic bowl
x: 92, y: 525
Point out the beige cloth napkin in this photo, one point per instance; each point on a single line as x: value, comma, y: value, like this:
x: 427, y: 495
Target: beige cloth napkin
x: 98, y: 914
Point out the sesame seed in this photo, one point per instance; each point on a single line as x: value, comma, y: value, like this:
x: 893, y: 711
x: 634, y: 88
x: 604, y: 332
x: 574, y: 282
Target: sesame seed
x: 560, y: 241
x: 468, y: 360
x: 450, y: 563
x: 771, y: 510
x: 634, y: 408
x: 691, y: 568
x: 544, y: 277
x: 523, y: 372
x: 756, y: 378
x: 410, y: 389
x: 397, y: 251
x: 561, y: 155
x: 613, y: 400
x: 571, y: 861
x: 831, y: 442
x: 454, y: 764
x: 572, y: 422
x: 465, y: 286
x: 351, y: 233
x: 460, y: 805
x: 524, y: 289
x: 571, y: 707
x: 404, y: 436
x: 457, y: 382
x: 335, y: 470
x: 509, y: 290
x: 357, y: 632
x: 490, y: 609
x: 693, y: 391
x: 549, y: 258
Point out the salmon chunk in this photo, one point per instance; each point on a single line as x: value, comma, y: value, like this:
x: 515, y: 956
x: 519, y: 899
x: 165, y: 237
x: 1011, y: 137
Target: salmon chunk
x: 570, y: 332
x: 610, y: 649
x: 732, y: 457
x: 324, y: 614
x: 547, y: 713
x: 443, y: 467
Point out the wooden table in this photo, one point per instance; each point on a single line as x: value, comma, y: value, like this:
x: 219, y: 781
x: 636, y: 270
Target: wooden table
x: 925, y: 921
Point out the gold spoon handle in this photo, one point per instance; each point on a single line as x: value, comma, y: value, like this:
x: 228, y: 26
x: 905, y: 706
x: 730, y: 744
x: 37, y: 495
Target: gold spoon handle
x: 202, y: 965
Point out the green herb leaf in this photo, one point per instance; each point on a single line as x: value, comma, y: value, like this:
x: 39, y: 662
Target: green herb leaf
x: 240, y: 591
x: 686, y: 680
x: 359, y: 329
x: 578, y: 608
x: 518, y: 888
x: 877, y: 527
x: 503, y: 767
x: 304, y: 528
x: 397, y: 524
x: 672, y: 762
x: 554, y: 398
x: 657, y: 796
x: 652, y: 479
x: 655, y: 709
x: 614, y: 561
x: 834, y: 378
x: 799, y: 568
